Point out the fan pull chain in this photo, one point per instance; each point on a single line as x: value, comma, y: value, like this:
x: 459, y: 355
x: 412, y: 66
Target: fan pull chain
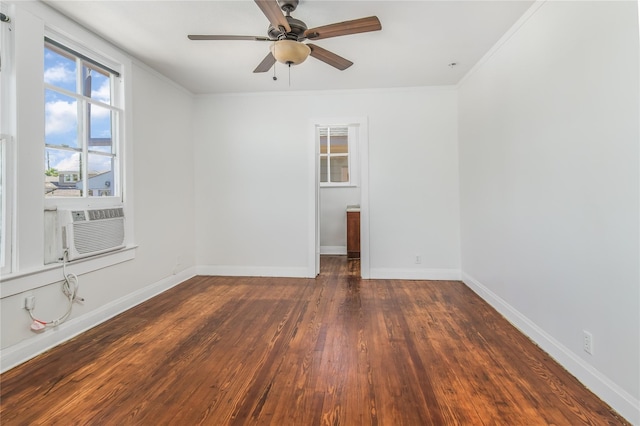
x: 289, y: 74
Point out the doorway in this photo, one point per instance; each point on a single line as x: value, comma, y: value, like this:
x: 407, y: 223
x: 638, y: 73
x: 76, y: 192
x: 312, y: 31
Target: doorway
x: 328, y: 218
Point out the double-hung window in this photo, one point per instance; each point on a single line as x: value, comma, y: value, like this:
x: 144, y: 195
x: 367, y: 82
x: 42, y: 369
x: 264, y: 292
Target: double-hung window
x: 338, y: 151
x: 82, y: 119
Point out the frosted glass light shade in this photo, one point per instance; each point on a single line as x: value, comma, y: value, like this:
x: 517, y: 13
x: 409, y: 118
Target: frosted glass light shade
x: 290, y: 51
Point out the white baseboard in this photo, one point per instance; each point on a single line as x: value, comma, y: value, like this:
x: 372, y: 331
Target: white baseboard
x: 414, y: 274
x: 335, y: 250
x: 253, y: 271
x: 619, y: 399
x: 23, y: 351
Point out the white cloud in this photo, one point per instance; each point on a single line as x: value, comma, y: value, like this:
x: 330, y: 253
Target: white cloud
x: 99, y: 112
x: 69, y: 163
x: 99, y: 163
x: 61, y: 117
x: 103, y: 93
x: 59, y: 74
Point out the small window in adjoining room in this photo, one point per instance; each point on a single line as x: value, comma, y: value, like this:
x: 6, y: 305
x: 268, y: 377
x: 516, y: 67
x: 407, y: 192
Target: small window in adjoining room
x: 337, y: 148
x: 81, y: 125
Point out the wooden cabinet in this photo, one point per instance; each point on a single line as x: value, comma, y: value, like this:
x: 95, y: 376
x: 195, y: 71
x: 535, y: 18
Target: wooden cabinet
x: 353, y: 234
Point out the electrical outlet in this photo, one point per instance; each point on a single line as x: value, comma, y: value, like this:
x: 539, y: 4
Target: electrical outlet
x: 418, y: 259
x: 587, y: 342
x: 29, y: 303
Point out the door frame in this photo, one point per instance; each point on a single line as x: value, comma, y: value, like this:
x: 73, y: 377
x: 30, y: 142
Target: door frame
x: 314, y: 191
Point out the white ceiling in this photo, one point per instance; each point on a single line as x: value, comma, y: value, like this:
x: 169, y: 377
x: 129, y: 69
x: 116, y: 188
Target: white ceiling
x: 418, y: 40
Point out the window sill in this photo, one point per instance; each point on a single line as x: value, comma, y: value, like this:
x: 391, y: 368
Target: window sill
x: 22, y: 281
x: 338, y: 185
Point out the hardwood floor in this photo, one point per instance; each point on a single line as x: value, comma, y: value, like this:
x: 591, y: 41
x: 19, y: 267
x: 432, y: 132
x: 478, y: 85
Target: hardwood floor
x: 336, y: 350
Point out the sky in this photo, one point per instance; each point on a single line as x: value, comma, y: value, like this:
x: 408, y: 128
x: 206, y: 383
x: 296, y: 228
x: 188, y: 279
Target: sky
x: 61, y: 115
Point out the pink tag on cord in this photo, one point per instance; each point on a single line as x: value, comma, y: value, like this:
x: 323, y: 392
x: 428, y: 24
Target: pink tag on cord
x: 37, y: 326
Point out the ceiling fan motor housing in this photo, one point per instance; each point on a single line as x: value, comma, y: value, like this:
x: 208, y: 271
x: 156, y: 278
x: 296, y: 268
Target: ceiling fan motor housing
x: 297, y: 30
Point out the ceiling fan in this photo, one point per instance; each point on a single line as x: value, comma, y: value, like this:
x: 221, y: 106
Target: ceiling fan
x: 288, y: 34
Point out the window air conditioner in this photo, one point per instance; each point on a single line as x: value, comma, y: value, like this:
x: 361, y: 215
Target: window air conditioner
x: 86, y: 233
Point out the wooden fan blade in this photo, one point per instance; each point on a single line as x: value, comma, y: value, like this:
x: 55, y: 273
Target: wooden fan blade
x: 329, y: 57
x: 362, y: 25
x: 273, y: 13
x: 227, y: 37
x: 266, y: 63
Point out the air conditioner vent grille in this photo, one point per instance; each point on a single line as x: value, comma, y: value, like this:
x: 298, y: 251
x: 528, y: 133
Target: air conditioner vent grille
x: 98, y: 235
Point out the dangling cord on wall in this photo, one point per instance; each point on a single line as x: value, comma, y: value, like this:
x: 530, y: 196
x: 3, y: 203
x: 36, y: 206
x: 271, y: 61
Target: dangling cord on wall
x: 70, y: 288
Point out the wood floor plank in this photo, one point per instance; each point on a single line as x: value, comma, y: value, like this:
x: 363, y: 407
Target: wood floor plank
x: 335, y: 350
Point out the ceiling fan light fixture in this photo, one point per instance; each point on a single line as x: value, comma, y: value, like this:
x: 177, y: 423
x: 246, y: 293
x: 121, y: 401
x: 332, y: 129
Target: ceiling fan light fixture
x: 290, y: 52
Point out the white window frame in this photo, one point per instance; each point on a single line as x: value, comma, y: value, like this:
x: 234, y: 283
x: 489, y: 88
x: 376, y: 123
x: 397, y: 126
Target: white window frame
x: 117, y: 107
x: 352, y: 154
x: 7, y: 154
x: 7, y: 198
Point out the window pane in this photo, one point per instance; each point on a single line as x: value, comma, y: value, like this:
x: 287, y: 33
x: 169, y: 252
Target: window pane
x: 339, y: 144
x: 339, y: 140
x: 61, y: 120
x: 100, y: 171
x: 323, y: 141
x: 59, y: 70
x: 96, y: 84
x: 339, y: 169
x: 62, y: 177
x: 99, y: 129
x: 323, y: 169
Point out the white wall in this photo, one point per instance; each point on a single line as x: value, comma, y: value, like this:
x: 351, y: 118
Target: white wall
x: 252, y: 177
x: 333, y: 217
x: 548, y: 135
x: 161, y: 199
x: 163, y: 175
